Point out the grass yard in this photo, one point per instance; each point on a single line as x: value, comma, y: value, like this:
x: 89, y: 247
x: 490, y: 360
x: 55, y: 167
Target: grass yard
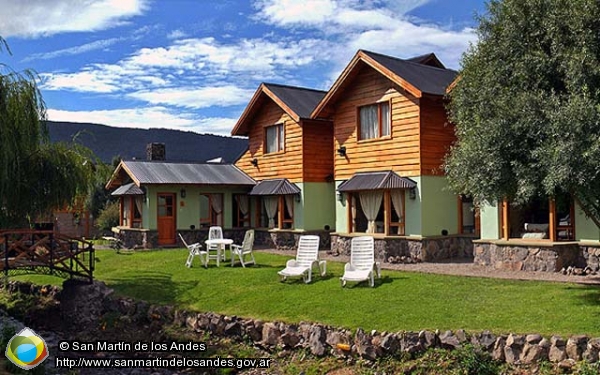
x: 399, y: 301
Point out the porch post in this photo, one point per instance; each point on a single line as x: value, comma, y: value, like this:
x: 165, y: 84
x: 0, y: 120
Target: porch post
x: 552, y: 219
x: 505, y: 220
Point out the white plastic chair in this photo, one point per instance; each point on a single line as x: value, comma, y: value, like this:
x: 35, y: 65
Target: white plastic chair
x: 307, y: 256
x: 195, y: 249
x: 362, y: 264
x: 215, y: 233
x: 243, y: 250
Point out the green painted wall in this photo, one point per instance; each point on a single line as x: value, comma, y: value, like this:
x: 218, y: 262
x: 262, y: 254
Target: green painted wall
x: 188, y: 208
x: 413, y: 225
x: 490, y: 221
x: 585, y: 229
x: 317, y: 207
x: 439, y: 206
x: 341, y: 217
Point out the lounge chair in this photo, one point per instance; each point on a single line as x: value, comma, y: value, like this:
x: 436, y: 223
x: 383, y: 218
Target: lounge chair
x: 243, y: 250
x: 195, y: 249
x: 307, y: 256
x: 362, y: 264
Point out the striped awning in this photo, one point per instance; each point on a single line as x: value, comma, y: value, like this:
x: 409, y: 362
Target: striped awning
x: 376, y: 181
x: 128, y: 189
x: 280, y: 186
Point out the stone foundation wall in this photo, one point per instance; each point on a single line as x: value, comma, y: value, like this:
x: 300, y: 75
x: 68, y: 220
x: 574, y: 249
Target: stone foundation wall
x: 288, y: 240
x: 84, y: 306
x: 396, y: 249
x: 590, y: 257
x: 280, y: 240
x: 135, y: 238
x: 532, y: 257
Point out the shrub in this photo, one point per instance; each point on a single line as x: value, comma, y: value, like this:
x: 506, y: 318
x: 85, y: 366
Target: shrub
x: 109, y: 216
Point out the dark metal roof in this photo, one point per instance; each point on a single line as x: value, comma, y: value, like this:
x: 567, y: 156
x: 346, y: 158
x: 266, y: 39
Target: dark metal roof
x: 376, y: 181
x: 426, y: 78
x: 427, y: 59
x: 145, y: 172
x: 300, y: 100
x: 128, y: 189
x: 280, y: 186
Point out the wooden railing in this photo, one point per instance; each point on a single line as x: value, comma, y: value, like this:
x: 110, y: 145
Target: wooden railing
x: 40, y: 251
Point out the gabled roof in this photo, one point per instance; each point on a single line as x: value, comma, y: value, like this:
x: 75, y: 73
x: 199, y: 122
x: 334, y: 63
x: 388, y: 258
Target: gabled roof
x: 376, y: 181
x: 152, y: 173
x: 279, y: 186
x: 128, y: 189
x: 416, y: 77
x: 297, y: 102
x: 428, y: 59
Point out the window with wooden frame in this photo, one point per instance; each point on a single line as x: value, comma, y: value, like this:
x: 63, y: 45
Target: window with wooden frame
x: 374, y: 121
x: 540, y: 219
x: 241, y: 211
x: 131, y: 211
x: 468, y: 216
x: 274, y: 138
x: 275, y: 212
x: 380, y: 211
x: 211, y: 210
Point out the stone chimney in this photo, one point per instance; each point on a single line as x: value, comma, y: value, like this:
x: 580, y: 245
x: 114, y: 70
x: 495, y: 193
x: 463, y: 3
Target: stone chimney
x: 155, y: 151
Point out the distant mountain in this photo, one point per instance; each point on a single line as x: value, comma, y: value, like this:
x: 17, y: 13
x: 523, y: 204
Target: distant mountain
x: 128, y: 143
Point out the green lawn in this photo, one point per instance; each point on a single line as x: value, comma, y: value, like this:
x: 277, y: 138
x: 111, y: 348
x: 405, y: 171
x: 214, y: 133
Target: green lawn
x: 399, y: 301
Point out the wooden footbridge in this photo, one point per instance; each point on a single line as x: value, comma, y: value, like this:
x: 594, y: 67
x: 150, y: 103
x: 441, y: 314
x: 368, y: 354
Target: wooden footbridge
x: 46, y: 252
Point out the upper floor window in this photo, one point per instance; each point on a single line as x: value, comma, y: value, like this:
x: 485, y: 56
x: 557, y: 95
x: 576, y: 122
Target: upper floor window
x: 375, y: 120
x: 274, y: 139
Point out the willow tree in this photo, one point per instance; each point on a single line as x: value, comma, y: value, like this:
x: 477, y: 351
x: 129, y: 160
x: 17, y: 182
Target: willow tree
x: 36, y: 176
x: 527, y: 104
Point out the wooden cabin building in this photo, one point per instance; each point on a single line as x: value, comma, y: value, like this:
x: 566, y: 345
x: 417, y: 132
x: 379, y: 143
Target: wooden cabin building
x: 290, y: 155
x: 390, y: 135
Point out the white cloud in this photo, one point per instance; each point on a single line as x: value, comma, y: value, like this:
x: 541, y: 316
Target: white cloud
x: 202, y: 97
x: 35, y: 18
x: 155, y: 73
x: 84, y: 81
x: 177, y: 34
x: 378, y: 26
x: 289, y: 12
x: 145, y: 118
x: 98, y: 44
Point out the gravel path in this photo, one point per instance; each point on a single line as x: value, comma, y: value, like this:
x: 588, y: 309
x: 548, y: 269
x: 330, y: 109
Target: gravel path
x: 464, y: 268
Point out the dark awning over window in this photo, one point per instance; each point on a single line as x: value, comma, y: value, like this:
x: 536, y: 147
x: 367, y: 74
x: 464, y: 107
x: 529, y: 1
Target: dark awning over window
x: 279, y: 186
x: 128, y: 189
x: 376, y: 181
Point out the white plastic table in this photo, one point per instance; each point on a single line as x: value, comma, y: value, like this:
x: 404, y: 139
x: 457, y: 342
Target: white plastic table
x: 222, y: 242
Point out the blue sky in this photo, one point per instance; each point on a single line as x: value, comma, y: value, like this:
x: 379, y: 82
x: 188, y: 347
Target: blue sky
x: 194, y: 65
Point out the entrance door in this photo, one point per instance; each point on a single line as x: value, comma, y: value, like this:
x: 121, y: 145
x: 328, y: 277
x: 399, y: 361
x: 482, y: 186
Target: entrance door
x: 166, y: 218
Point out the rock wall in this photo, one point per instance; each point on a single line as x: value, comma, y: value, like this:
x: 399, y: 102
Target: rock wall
x: 405, y: 249
x: 529, y: 258
x: 84, y: 305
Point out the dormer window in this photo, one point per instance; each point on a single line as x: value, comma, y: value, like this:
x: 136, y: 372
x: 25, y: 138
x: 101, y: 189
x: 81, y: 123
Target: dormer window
x: 374, y: 121
x: 274, y: 139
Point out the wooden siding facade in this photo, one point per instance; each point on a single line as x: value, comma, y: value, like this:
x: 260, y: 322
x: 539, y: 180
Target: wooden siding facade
x: 420, y: 135
x: 307, y: 155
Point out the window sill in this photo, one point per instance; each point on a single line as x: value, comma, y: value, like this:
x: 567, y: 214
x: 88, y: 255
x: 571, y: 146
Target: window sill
x: 276, y: 153
x: 370, y: 140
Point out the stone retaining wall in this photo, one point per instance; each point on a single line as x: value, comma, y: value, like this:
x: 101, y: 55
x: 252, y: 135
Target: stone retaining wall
x: 550, y: 258
x: 430, y: 249
x: 84, y: 305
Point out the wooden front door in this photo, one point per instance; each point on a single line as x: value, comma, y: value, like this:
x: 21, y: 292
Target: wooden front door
x: 166, y: 218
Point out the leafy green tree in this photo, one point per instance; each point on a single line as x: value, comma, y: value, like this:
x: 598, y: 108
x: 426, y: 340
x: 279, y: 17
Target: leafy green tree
x: 527, y: 104
x: 36, y: 176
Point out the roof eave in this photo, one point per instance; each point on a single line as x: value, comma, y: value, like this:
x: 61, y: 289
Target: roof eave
x: 251, y: 109
x: 362, y: 56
